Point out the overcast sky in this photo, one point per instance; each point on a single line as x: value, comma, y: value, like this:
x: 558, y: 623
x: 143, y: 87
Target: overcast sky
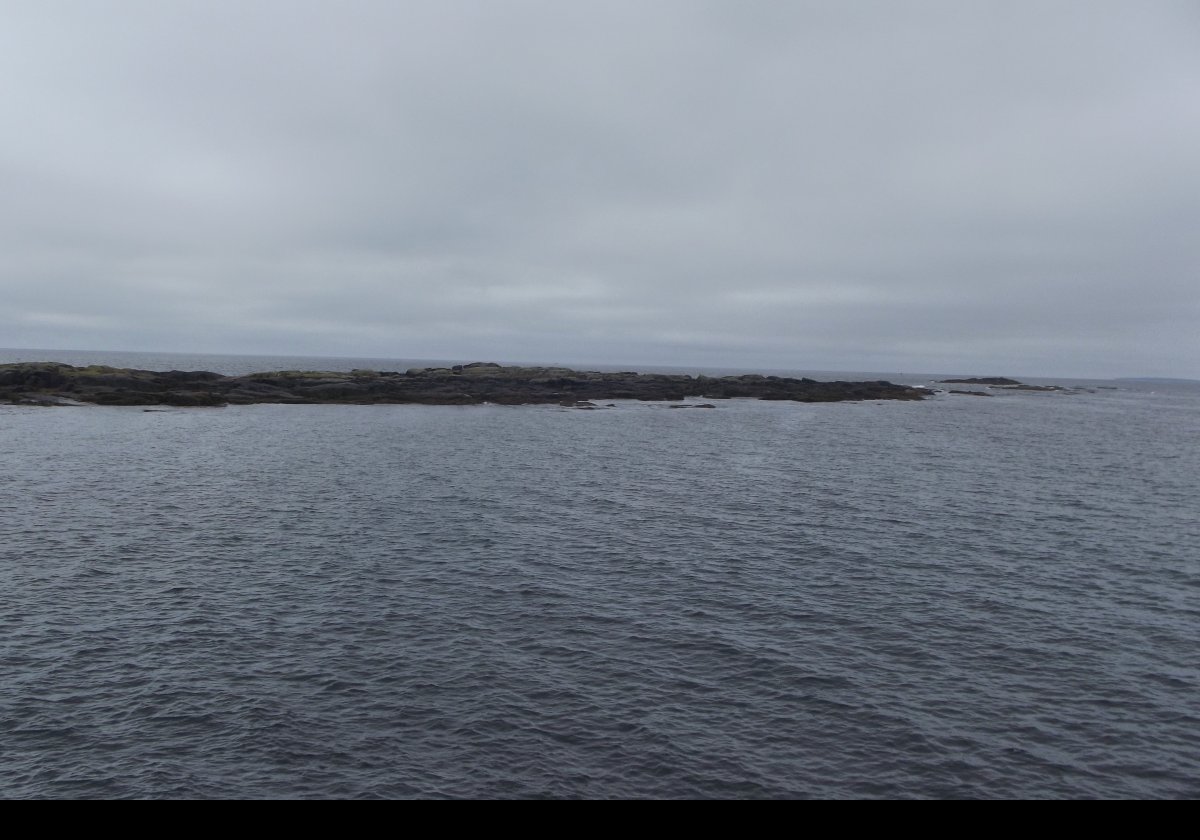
x: 968, y: 186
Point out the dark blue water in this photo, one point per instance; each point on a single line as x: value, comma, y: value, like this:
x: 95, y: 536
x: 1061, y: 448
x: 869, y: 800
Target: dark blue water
x: 964, y: 597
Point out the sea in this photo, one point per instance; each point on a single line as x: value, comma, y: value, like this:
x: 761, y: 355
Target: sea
x: 963, y: 597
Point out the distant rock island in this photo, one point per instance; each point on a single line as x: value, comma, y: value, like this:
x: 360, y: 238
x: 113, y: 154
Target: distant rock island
x: 52, y: 383
x: 983, y: 380
x: 997, y: 382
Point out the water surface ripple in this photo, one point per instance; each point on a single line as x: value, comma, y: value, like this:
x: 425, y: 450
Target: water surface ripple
x: 958, y: 598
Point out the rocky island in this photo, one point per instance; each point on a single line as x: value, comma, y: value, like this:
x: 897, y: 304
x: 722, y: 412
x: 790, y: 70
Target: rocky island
x: 998, y: 382
x: 53, y: 383
x: 1001, y: 381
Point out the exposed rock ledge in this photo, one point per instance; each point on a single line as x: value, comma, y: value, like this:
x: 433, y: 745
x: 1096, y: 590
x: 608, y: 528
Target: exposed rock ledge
x: 51, y: 383
x: 983, y: 380
x: 999, y: 382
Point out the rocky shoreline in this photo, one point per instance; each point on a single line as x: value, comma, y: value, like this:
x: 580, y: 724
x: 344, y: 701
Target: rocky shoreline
x: 1001, y: 383
x: 52, y: 383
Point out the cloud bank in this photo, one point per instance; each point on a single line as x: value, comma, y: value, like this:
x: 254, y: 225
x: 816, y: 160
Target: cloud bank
x: 966, y: 186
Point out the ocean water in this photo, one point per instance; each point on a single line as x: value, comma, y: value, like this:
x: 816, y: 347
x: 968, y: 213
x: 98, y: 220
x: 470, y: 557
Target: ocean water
x: 962, y: 597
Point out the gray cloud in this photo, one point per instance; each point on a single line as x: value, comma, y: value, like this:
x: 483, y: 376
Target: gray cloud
x: 1009, y: 186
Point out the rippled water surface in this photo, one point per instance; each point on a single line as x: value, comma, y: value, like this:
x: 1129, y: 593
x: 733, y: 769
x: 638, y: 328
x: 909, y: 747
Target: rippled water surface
x: 961, y: 597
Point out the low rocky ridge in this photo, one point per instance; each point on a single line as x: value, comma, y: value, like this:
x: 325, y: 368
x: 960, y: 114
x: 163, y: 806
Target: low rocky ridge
x: 983, y: 380
x: 1002, y: 383
x: 52, y: 383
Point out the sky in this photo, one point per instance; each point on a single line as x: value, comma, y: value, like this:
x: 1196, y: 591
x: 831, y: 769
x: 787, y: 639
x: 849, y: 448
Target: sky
x: 1007, y: 187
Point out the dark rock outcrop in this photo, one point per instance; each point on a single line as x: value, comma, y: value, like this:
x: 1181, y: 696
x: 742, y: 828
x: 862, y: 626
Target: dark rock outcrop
x: 479, y: 382
x: 1001, y: 383
x: 982, y: 380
